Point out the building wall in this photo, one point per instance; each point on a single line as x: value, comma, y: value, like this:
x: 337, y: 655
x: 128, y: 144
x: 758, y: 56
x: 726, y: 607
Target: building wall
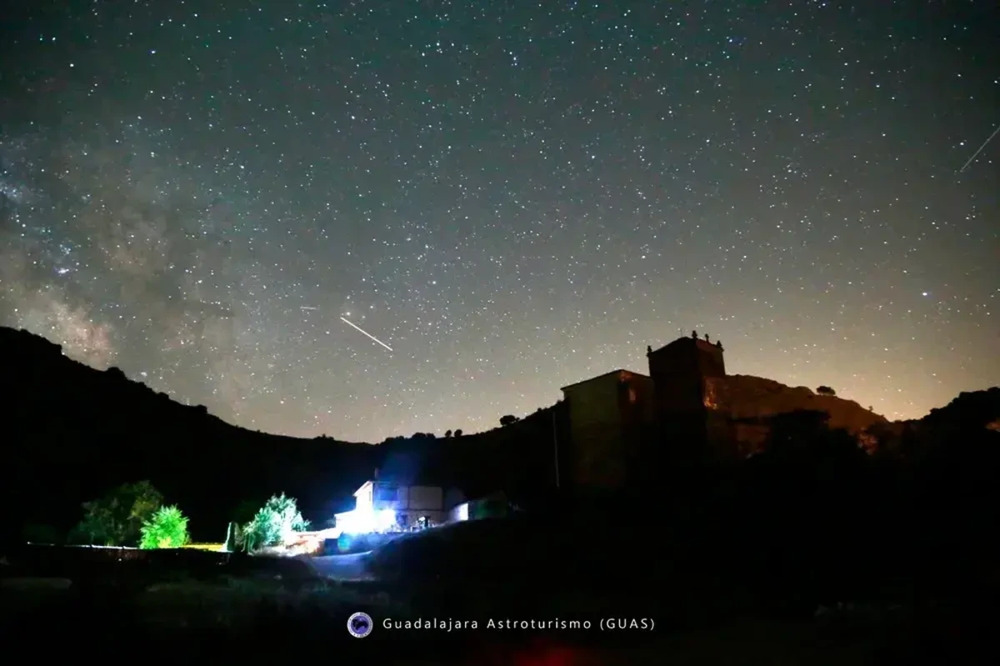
x: 607, y: 415
x: 637, y: 404
x: 495, y: 506
x: 364, y: 497
x: 595, y: 431
x: 410, y: 519
x: 638, y: 401
x: 679, y: 371
x: 424, y: 497
x: 388, y: 496
x: 409, y: 502
x: 404, y: 498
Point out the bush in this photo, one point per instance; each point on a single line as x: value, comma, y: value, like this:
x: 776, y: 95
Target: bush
x: 273, y: 524
x: 167, y: 528
x: 117, y: 518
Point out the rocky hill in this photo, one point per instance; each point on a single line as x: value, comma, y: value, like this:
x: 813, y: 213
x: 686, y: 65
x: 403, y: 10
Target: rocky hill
x: 745, y: 397
x: 749, y: 404
x: 972, y: 410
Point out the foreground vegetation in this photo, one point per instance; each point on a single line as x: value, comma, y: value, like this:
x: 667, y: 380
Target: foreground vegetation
x: 257, y: 613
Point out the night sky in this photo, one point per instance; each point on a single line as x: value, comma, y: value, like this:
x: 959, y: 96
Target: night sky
x: 513, y: 196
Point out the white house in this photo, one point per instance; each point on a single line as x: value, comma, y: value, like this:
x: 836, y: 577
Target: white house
x: 383, y: 505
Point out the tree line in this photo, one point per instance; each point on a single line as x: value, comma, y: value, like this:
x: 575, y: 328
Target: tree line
x: 136, y: 515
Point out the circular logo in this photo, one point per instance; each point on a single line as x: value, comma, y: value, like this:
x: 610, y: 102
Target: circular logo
x: 360, y: 625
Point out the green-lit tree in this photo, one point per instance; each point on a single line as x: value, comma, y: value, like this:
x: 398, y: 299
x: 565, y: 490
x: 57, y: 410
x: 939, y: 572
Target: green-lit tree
x: 273, y: 524
x: 167, y: 528
x: 117, y: 518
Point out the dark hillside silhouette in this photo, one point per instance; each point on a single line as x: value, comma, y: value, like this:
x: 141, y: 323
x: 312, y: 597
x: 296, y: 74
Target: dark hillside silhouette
x: 518, y: 458
x: 70, y: 433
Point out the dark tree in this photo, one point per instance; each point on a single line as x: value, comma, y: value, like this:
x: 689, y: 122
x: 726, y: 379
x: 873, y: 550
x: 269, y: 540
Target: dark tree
x: 507, y: 419
x: 825, y: 390
x: 116, y: 518
x: 447, y: 433
x: 458, y: 433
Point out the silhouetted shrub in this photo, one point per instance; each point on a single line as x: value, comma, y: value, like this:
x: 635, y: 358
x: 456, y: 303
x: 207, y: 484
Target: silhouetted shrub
x: 117, y: 518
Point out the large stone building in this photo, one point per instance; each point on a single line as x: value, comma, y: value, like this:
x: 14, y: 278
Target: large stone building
x: 608, y: 417
x: 687, y: 404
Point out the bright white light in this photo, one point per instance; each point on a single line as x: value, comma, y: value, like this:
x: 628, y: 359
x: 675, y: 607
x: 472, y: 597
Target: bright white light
x: 386, y: 519
x: 366, y: 521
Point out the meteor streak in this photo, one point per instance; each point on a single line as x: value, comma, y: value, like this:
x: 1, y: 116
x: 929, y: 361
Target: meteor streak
x: 307, y: 307
x: 979, y: 150
x: 361, y: 330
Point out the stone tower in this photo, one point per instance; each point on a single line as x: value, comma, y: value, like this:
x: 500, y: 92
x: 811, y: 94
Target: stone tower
x: 680, y: 371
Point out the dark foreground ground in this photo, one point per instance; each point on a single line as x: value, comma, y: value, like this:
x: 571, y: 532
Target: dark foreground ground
x: 256, y: 610
x: 259, y: 621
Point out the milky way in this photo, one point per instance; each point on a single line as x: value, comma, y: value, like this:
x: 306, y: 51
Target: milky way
x: 512, y: 196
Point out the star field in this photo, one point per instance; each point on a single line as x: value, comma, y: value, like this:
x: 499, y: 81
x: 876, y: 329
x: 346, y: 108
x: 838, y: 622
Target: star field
x: 514, y: 196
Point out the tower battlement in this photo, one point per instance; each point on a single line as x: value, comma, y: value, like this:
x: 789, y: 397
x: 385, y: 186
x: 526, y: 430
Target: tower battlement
x: 687, y: 361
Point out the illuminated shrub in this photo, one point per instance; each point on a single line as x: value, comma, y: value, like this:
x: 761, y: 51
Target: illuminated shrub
x: 273, y: 524
x: 167, y: 528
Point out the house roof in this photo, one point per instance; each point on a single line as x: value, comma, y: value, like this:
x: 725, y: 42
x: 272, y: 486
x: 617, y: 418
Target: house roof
x: 606, y: 375
x: 688, y: 340
x: 362, y: 487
